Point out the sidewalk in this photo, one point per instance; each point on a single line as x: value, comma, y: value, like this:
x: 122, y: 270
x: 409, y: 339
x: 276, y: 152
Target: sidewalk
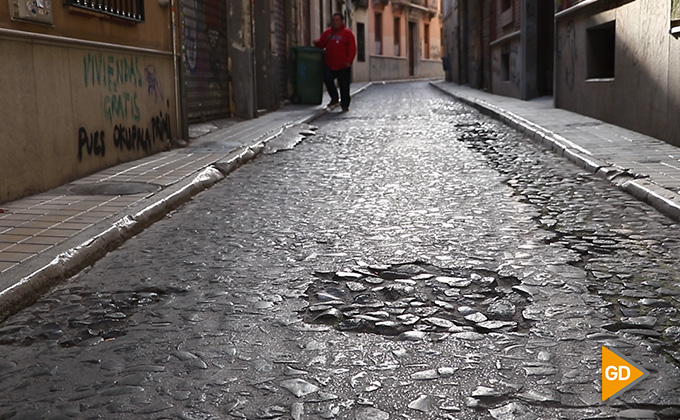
x: 49, y: 237
x: 645, y: 167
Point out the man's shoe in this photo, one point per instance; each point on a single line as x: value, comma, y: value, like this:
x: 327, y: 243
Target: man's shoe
x: 331, y: 104
x: 345, y: 109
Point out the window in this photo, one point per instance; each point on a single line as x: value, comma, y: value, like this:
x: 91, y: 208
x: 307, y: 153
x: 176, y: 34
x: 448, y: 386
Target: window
x: 378, y: 33
x: 675, y: 17
x: 361, y: 42
x: 126, y: 9
x: 506, y: 12
x: 397, y: 37
x: 426, y: 49
x: 505, y: 66
x: 601, y: 51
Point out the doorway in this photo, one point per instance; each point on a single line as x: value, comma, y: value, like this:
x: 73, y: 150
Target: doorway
x: 204, y: 55
x: 263, y: 76
x: 546, y: 49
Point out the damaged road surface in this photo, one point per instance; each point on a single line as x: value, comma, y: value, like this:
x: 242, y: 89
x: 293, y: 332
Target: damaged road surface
x: 412, y: 260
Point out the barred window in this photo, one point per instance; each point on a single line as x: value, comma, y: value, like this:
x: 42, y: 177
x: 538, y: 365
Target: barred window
x: 125, y: 9
x: 675, y: 17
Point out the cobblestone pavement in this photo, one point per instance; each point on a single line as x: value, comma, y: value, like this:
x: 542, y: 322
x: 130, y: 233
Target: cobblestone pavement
x: 413, y: 260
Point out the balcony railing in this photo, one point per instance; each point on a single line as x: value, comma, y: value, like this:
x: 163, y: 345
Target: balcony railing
x: 125, y: 9
x: 424, y: 5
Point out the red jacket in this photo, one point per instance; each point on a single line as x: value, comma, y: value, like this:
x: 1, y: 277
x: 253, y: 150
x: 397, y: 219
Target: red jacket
x: 340, y: 47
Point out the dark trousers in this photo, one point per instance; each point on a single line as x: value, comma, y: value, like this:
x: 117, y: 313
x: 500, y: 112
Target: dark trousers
x: 343, y: 77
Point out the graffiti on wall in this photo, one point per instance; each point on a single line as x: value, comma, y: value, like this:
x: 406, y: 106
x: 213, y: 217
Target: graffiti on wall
x: 93, y: 143
x: 111, y: 71
x: 131, y: 138
x: 216, y: 62
x: 119, y: 77
x: 154, y: 83
x: 204, y: 58
x: 567, y: 54
x: 191, y: 42
x: 129, y: 125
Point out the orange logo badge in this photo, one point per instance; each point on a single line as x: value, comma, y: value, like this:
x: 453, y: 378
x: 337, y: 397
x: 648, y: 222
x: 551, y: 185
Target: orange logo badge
x: 618, y: 373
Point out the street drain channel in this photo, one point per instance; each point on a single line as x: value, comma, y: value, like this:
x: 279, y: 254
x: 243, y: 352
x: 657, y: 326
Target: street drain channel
x: 411, y: 300
x: 114, y: 188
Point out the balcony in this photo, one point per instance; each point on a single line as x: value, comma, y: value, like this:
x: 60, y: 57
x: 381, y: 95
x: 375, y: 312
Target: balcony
x: 429, y: 6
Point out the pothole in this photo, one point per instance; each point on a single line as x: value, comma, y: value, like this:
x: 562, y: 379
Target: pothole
x: 626, y: 266
x: 403, y: 300
x: 114, y: 188
x: 90, y: 318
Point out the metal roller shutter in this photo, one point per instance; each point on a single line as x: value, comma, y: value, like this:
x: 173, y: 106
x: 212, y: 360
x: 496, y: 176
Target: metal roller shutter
x: 280, y: 53
x: 204, y: 53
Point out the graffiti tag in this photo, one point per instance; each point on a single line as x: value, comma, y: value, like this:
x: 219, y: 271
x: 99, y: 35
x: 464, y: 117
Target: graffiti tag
x: 111, y: 71
x: 125, y: 137
x: 154, y: 83
x: 93, y: 143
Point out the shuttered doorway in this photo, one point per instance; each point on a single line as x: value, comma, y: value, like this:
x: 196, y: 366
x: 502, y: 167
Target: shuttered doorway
x: 204, y: 54
x: 279, y: 48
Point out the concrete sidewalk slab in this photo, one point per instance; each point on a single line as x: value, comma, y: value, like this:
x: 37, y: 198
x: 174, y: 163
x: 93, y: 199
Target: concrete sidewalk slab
x: 645, y: 167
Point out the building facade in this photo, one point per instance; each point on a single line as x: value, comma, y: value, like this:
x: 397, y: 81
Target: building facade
x: 397, y: 39
x: 502, y: 46
x: 91, y: 84
x: 84, y: 87
x: 237, y: 55
x: 609, y: 59
x: 616, y: 60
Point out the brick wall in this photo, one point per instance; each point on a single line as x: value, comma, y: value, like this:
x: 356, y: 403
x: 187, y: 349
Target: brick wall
x: 508, y: 20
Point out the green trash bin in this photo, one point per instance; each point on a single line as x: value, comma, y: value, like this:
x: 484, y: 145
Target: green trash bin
x: 308, y: 75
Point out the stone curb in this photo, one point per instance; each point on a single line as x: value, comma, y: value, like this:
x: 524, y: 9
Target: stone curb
x: 72, y: 261
x: 663, y: 200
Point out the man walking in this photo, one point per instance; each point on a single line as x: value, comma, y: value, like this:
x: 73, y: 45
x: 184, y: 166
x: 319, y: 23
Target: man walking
x: 340, y: 48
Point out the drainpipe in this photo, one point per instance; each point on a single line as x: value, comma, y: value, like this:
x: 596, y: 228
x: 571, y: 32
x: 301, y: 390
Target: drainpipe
x: 253, y: 45
x: 482, y: 63
x: 523, y: 52
x: 180, y: 97
x: 554, y: 57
